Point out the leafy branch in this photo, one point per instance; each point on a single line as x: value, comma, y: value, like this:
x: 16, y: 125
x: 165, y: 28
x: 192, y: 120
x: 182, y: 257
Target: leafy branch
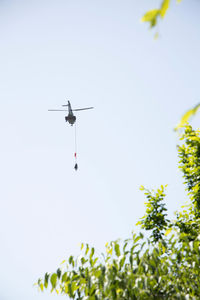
x: 153, y: 15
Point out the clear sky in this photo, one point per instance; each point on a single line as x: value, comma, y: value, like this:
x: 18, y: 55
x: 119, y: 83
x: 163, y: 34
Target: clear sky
x: 94, y: 53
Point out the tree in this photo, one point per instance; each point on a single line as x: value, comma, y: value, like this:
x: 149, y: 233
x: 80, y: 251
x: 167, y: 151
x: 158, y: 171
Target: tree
x: 164, y: 266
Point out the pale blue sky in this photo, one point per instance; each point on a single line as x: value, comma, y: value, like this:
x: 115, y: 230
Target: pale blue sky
x: 95, y: 53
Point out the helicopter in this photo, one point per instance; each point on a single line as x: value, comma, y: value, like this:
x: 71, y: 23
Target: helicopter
x: 71, y: 118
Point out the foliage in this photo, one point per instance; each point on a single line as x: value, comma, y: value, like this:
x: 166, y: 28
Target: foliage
x: 188, y: 222
x: 153, y: 15
x: 187, y: 116
x: 189, y: 153
x: 129, y: 271
x: 166, y: 266
x: 155, y: 218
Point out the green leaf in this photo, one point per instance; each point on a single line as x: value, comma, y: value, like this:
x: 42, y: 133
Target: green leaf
x: 137, y: 239
x: 138, y: 223
x: 122, y: 261
x: 46, y: 278
x: 74, y: 287
x: 83, y: 260
x: 117, y: 249
x: 71, y: 260
x: 63, y: 261
x: 87, y: 249
x: 53, y: 280
x: 150, y: 15
x: 164, y: 7
x: 59, y: 273
x: 91, y: 253
x: 64, y: 277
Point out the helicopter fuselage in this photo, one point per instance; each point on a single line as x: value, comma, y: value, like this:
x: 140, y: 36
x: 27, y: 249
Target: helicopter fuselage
x: 70, y: 118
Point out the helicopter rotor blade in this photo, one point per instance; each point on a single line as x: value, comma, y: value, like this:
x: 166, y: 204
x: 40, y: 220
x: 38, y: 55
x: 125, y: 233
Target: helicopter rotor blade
x: 65, y: 105
x: 82, y: 108
x: 57, y: 110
